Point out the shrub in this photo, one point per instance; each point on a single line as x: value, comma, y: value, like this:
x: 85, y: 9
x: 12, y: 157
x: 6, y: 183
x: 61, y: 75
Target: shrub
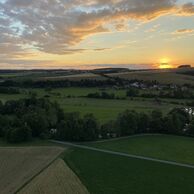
x: 17, y: 135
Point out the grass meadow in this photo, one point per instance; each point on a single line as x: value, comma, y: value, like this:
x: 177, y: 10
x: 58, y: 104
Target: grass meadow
x: 166, y: 147
x: 73, y: 100
x: 109, y: 174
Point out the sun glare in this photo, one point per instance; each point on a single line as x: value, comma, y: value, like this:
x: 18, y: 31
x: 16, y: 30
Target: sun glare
x: 165, y: 63
x: 164, y: 60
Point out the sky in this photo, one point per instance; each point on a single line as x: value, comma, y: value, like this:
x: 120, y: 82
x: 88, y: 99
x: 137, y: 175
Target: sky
x: 88, y: 34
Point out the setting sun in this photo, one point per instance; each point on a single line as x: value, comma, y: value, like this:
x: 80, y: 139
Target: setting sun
x: 134, y: 34
x: 165, y: 63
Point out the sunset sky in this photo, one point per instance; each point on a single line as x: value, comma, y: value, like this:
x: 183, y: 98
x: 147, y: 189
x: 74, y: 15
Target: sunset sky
x: 96, y: 33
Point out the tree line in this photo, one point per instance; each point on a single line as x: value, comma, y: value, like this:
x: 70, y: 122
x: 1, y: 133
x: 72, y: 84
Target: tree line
x: 109, y: 82
x: 176, y: 93
x: 177, y: 122
x: 9, y: 90
x: 22, y: 120
x: 59, y: 83
x: 101, y: 95
x: 134, y: 92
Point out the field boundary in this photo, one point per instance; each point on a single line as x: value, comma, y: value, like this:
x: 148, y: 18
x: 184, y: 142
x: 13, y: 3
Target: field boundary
x: 137, y: 135
x: 124, y: 154
x: 125, y: 137
x: 38, y: 173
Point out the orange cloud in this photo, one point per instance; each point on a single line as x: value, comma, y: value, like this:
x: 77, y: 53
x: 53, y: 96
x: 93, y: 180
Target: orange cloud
x: 183, y: 31
x: 55, y: 26
x: 186, y: 10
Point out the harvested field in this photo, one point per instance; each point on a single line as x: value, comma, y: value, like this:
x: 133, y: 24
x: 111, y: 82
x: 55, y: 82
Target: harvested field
x: 75, y: 77
x: 58, y: 178
x: 163, y: 77
x: 20, y: 165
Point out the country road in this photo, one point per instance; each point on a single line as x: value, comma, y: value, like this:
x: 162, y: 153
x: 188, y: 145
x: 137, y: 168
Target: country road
x: 123, y: 154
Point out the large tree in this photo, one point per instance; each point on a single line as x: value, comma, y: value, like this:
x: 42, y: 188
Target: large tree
x: 127, y: 123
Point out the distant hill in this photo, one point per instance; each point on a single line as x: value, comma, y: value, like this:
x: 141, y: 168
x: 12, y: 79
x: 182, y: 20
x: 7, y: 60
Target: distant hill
x: 184, y: 66
x: 163, y: 76
x: 110, y: 70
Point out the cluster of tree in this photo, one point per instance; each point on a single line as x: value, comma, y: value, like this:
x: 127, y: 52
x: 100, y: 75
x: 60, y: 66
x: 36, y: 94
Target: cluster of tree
x: 11, y: 71
x: 9, y: 90
x: 177, y: 121
x: 177, y: 93
x: 191, y: 103
x: 191, y: 73
x: 108, y: 82
x: 76, y: 128
x: 59, y: 83
x: 23, y: 119
x: 110, y: 70
x: 132, y: 92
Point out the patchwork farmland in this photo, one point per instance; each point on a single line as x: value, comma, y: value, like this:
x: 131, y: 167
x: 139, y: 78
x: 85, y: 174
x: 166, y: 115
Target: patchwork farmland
x: 32, y: 170
x: 37, y: 169
x: 102, y: 116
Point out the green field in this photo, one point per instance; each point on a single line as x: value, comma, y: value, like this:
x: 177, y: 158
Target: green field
x: 108, y: 174
x: 166, y: 147
x: 106, y: 110
x: 111, y: 174
x: 72, y: 100
x: 77, y: 92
